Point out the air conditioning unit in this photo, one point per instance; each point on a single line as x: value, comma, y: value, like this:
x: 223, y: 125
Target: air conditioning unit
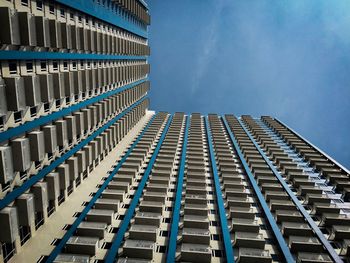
x: 21, y: 154
x: 15, y: 93
x: 37, y: 145
x: 50, y: 138
x: 61, y: 129
x: 71, y: 128
x: 87, y: 119
x: 79, y: 121
x: 10, y: 33
x: 25, y: 209
x: 32, y: 90
x: 40, y: 196
x: 81, y: 161
x: 53, y: 185
x: 6, y: 165
x: 42, y: 31
x: 63, y: 172
x: 58, y: 85
x: 88, y: 155
x: 9, y: 225
x: 72, y: 163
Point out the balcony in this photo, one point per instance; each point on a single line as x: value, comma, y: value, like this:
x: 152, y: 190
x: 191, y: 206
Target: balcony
x: 288, y: 216
x: 143, y: 232
x: 72, y: 258
x: 195, y: 221
x: 107, y: 204
x: 240, y: 202
x: 92, y: 229
x: 340, y: 232
x: 294, y: 228
x: 195, y: 253
x: 123, y: 178
x: 304, y: 257
x: 151, y: 206
x: 113, y: 194
x: 154, y: 196
x: 123, y: 186
x: 196, y: 209
x: 196, y: 236
x: 195, y: 199
x: 304, y: 244
x: 146, y: 218
x: 249, y: 240
x: 138, y: 248
x: 281, y: 205
x: 245, y: 225
x: 251, y: 255
x: 100, y: 215
x: 82, y: 245
x: 242, y: 212
x: 161, y: 188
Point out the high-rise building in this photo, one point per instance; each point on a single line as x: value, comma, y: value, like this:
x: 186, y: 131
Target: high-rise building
x: 89, y: 174
x: 73, y: 91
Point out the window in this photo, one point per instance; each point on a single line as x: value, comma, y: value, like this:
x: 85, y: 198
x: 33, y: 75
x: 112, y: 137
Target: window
x: 52, y: 9
x: 29, y: 66
x: 55, y: 65
x: 39, y: 5
x: 13, y: 67
x: 43, y: 66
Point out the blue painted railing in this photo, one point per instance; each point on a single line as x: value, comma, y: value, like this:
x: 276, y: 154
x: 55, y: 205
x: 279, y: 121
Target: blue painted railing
x: 93, y: 200
x: 278, y: 235
x: 345, y: 170
x: 104, y: 13
x: 220, y: 202
x: 34, y: 55
x: 10, y: 197
x: 12, y: 132
x: 335, y: 257
x: 177, y: 205
x: 113, y: 251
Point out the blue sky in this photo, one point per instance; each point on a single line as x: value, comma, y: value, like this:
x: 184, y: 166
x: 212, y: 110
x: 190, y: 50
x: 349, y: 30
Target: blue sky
x: 287, y: 59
